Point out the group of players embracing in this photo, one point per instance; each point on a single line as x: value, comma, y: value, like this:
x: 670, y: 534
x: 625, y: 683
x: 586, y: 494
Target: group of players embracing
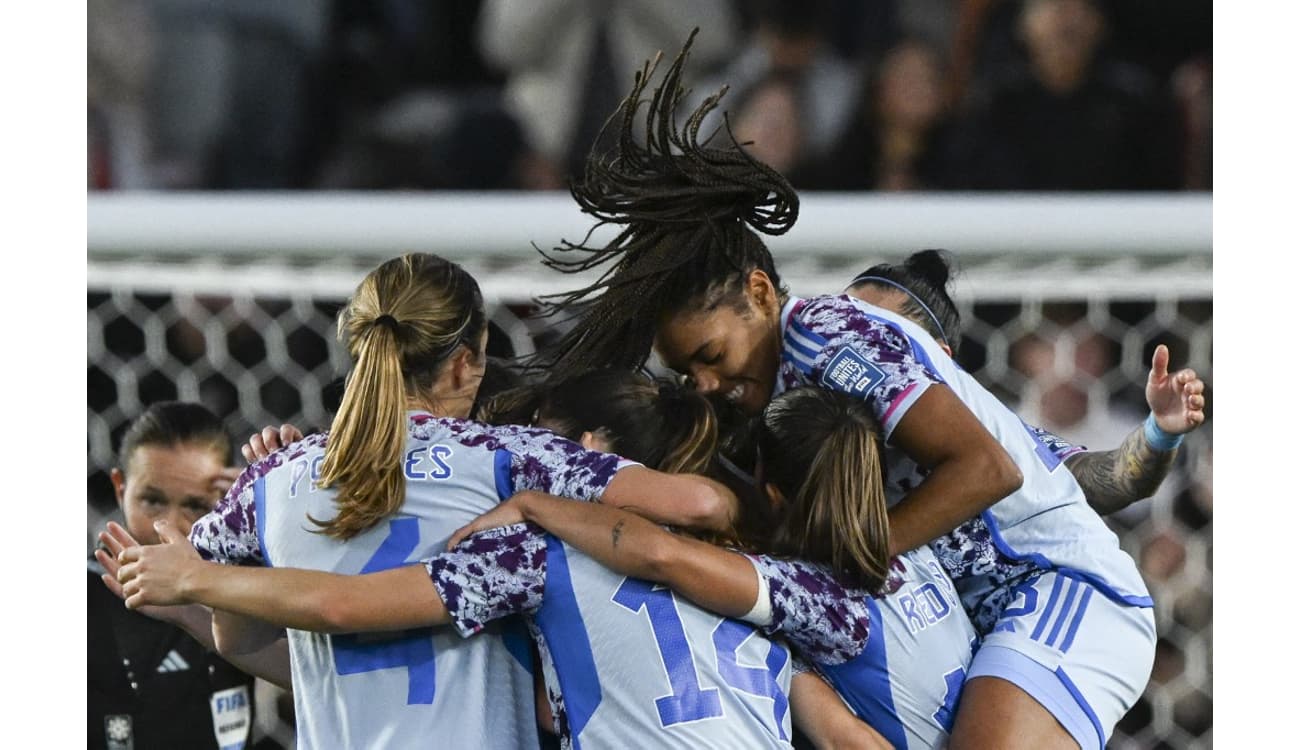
x: 825, y: 532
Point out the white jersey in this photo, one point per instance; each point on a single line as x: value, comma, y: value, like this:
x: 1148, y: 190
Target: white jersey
x: 847, y: 345
x: 627, y: 663
x: 404, y: 690
x: 898, y: 659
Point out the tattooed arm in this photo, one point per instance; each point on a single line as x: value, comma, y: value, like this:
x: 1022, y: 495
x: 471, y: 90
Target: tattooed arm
x: 1113, y: 480
x: 713, y: 578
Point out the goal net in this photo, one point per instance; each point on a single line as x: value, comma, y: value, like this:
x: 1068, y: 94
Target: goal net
x: 231, y: 301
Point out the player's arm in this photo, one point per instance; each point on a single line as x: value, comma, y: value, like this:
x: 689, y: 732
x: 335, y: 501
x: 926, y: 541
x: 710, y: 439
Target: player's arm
x: 968, y: 470
x: 713, y: 578
x: 1114, y: 479
x: 820, y: 714
x: 686, y: 500
x: 250, y: 600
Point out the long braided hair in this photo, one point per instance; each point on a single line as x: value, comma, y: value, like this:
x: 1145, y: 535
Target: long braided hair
x: 688, y: 212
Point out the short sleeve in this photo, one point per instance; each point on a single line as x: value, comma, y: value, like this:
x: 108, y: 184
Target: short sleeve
x: 491, y: 575
x: 546, y: 462
x: 827, y: 623
x: 862, y: 355
x: 228, y: 534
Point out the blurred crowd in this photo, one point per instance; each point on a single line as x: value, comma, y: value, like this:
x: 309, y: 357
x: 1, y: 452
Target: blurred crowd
x: 511, y: 94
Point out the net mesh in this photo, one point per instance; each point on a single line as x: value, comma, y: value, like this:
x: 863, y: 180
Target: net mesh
x: 1067, y: 341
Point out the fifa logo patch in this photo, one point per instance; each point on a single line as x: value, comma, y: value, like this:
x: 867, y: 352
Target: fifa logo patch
x: 849, y: 372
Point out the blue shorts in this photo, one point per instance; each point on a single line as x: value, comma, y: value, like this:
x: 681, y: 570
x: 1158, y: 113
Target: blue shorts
x: 1083, y: 656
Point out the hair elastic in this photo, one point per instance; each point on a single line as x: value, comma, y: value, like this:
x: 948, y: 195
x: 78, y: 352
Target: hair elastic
x: 387, y: 321
x: 909, y: 293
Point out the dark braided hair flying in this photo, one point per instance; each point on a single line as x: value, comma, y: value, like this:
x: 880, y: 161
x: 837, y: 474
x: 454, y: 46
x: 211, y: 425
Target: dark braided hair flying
x: 687, y: 211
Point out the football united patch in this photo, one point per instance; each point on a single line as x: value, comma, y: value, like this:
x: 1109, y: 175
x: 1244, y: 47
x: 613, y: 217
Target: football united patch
x: 851, y: 373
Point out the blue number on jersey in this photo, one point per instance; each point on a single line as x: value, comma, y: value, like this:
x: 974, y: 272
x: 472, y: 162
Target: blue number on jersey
x: 413, y: 649
x: 688, y: 702
x: 756, y: 681
x: 945, y: 713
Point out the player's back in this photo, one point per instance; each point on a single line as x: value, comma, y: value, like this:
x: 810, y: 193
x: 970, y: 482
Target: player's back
x: 416, y: 687
x: 897, y: 658
x: 638, y: 666
x: 907, y: 681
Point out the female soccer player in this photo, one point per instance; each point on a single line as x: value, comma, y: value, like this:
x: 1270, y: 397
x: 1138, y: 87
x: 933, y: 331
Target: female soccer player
x: 692, y: 280
x: 591, y: 623
x: 1111, y: 480
x: 400, y: 469
x: 896, y: 648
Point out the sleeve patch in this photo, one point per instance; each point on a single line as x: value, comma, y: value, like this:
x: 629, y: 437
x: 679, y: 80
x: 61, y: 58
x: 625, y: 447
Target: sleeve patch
x: 851, y: 373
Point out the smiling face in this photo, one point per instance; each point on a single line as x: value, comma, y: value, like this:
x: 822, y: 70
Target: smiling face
x: 732, y: 348
x: 167, y: 482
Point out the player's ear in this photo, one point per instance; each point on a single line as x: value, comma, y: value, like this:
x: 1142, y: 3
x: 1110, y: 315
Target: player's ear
x: 762, y: 293
x: 596, y: 441
x: 774, y: 496
x: 119, y: 484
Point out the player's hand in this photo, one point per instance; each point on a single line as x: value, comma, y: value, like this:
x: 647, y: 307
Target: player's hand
x: 115, y: 539
x: 507, y: 513
x: 1177, y: 400
x: 158, y: 574
x: 269, y: 440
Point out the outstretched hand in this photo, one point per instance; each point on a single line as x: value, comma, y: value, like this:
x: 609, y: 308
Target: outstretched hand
x: 157, y: 574
x: 269, y: 440
x: 1177, y: 400
x: 507, y: 513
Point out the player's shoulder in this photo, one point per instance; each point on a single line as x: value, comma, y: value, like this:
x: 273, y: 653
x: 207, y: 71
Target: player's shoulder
x: 285, y: 456
x: 472, y: 434
x: 833, y: 319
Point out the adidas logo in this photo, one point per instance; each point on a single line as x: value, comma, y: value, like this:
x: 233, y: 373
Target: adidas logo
x: 173, y: 662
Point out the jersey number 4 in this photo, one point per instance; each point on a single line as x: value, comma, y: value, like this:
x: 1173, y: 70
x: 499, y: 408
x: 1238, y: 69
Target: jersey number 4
x: 688, y: 701
x: 358, y: 653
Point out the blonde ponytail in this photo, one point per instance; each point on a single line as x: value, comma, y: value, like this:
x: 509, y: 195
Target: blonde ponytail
x: 401, y: 326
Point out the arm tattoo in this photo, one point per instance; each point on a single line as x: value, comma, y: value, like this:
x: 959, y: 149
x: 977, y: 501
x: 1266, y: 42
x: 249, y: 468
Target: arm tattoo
x: 1113, y: 480
x: 618, y: 531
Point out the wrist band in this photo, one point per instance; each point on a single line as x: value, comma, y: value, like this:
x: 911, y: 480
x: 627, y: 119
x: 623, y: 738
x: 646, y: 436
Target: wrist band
x: 1158, y: 438
x: 761, y: 613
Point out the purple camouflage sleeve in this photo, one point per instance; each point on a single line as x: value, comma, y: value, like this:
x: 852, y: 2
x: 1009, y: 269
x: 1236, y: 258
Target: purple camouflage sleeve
x: 539, y: 460
x: 867, y: 357
x: 228, y: 534
x: 490, y: 575
x: 546, y: 462
x: 827, y: 623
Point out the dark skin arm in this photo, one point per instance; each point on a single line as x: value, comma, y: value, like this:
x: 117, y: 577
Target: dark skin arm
x: 968, y: 469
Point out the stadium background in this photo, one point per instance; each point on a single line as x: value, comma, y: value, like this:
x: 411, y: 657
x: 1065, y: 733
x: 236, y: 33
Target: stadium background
x: 247, y: 164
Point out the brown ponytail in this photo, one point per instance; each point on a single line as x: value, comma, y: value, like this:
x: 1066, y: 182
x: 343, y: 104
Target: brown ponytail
x: 821, y: 449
